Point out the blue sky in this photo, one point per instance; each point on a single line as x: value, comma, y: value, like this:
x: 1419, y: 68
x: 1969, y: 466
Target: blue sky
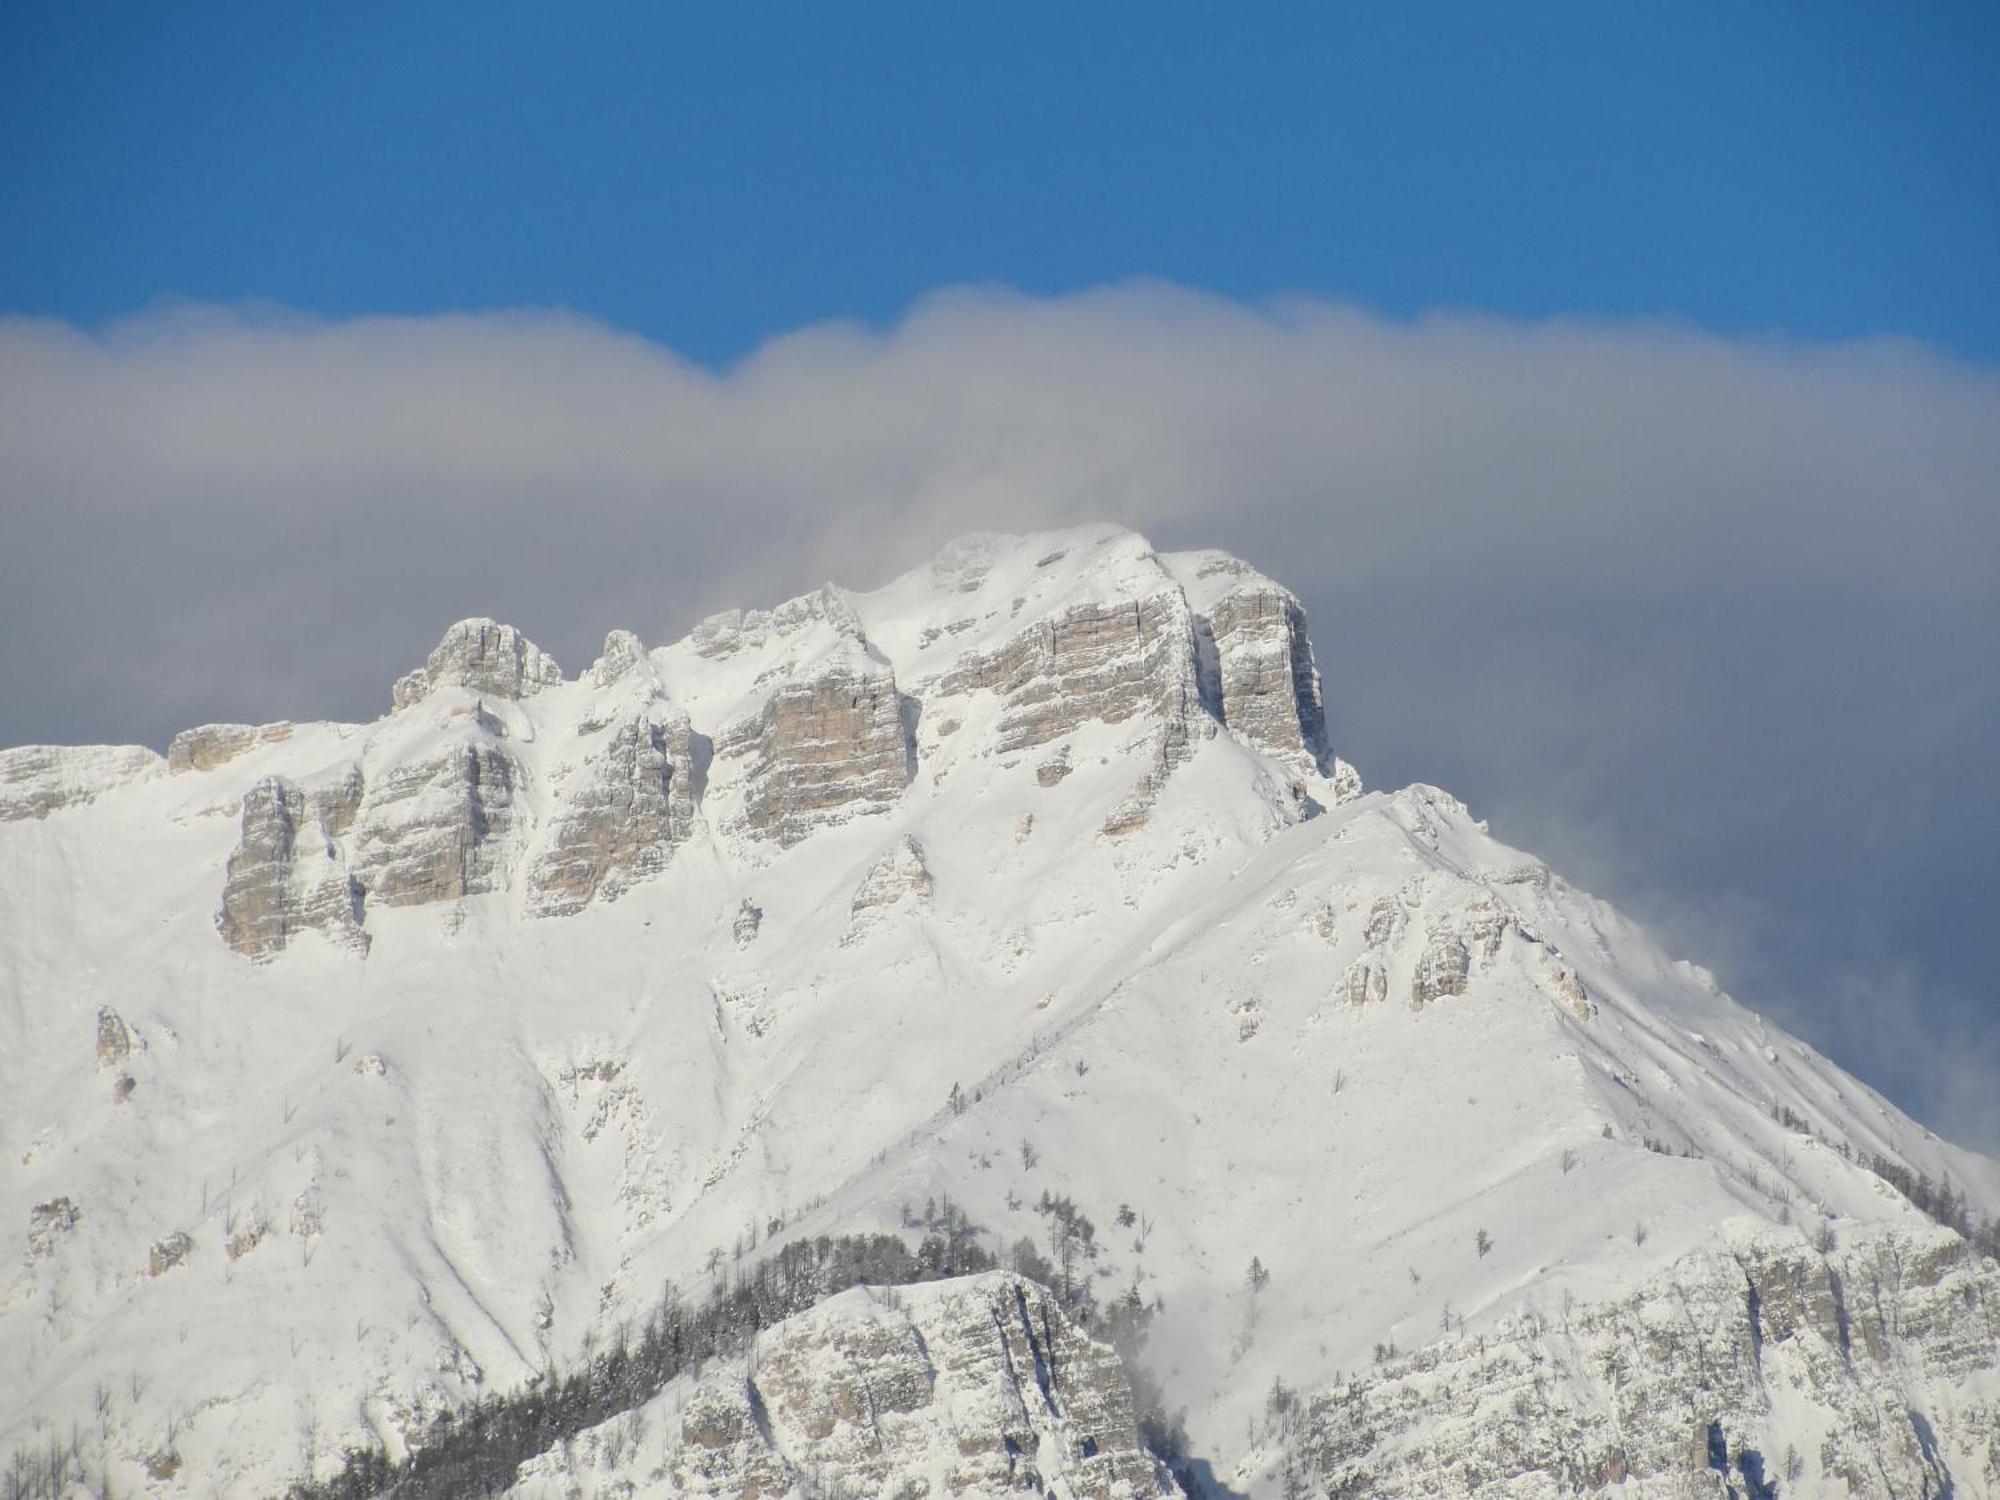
x: 708, y: 176
x: 1619, y: 385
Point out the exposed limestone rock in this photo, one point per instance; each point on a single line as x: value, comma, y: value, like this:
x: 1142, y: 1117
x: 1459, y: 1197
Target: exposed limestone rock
x: 335, y: 801
x: 1562, y: 980
x: 114, y: 1039
x: 1776, y: 1371
x: 827, y: 746
x: 483, y: 655
x: 36, y: 780
x: 898, y: 874
x: 1347, y: 784
x: 1267, y: 683
x: 245, y: 1239
x: 1364, y: 982
x: 284, y: 878
x: 932, y: 634
x: 621, y: 814
x: 623, y: 653
x: 172, y: 1251
x: 1171, y: 748
x: 749, y: 918
x: 1258, y: 675
x: 735, y: 630
x: 1130, y: 815
x: 980, y: 1386
x: 1108, y: 661
x: 256, y: 916
x: 1052, y: 771
x: 211, y: 745
x: 438, y: 829
x: 1443, y: 968
x: 1483, y: 927
x: 49, y: 1224
x: 1385, y: 920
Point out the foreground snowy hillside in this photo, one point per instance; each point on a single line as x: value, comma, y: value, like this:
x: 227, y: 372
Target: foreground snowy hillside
x: 350, y: 1073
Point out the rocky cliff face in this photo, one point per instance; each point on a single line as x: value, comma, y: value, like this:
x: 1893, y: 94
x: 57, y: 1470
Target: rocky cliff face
x: 980, y: 1386
x: 1107, y: 662
x: 211, y: 745
x: 819, y: 730
x: 620, y: 814
x: 486, y: 657
x: 439, y: 827
x: 286, y: 877
x: 1872, y: 1370
x: 36, y: 780
x: 826, y: 746
x: 1258, y: 670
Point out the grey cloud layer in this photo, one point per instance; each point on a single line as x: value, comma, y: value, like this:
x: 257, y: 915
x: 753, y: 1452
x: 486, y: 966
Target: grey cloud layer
x: 1712, y: 623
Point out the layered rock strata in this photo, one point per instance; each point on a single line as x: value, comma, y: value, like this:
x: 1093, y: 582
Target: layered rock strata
x: 285, y: 877
x: 621, y: 813
x: 486, y: 657
x: 1259, y: 675
x: 1172, y: 645
x: 36, y: 780
x: 723, y: 635
x: 1107, y: 661
x: 210, y: 745
x: 439, y: 828
x: 830, y: 744
x: 1888, y: 1350
x: 980, y: 1386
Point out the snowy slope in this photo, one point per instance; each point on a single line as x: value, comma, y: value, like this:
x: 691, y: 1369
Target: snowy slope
x: 1052, y: 820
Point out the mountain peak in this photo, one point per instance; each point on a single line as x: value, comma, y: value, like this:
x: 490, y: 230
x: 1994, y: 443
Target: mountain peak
x: 1027, y: 882
x: 485, y: 656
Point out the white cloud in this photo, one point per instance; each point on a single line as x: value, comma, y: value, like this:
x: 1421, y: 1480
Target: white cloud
x: 1696, y: 612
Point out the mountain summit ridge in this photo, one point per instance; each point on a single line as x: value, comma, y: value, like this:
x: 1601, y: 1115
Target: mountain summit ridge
x: 439, y: 1045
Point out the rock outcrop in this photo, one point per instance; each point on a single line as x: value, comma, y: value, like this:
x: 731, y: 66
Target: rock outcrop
x: 1872, y: 1372
x: 899, y: 875
x: 723, y: 635
x: 1364, y: 982
x: 438, y: 828
x: 36, y: 780
x: 1259, y: 676
x: 1444, y: 967
x: 285, y: 877
x: 49, y: 1225
x: 623, y: 654
x: 621, y: 813
x: 211, y: 745
x: 979, y: 1386
x: 830, y: 743
x: 1109, y: 661
x: 114, y: 1038
x: 169, y: 1253
x: 336, y: 799
x: 486, y: 657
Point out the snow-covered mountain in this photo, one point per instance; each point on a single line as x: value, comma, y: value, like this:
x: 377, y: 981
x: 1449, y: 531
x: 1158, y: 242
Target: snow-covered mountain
x: 350, y: 1073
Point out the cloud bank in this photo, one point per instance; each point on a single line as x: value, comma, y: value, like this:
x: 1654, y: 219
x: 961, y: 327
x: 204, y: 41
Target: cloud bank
x: 1713, y: 623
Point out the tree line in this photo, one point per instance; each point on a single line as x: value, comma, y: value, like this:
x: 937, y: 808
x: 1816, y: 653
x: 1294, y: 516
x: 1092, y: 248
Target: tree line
x: 478, y: 1449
